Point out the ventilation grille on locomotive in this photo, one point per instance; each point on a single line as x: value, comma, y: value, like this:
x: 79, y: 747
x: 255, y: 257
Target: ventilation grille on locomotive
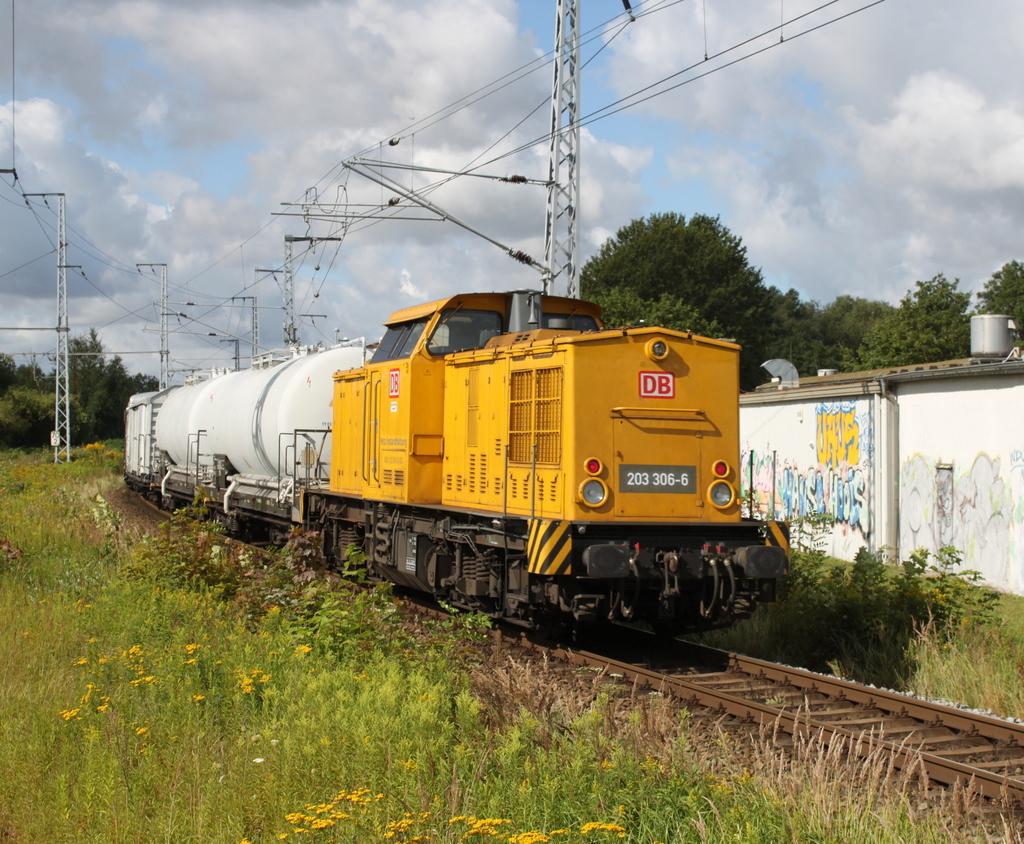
x: 535, y: 416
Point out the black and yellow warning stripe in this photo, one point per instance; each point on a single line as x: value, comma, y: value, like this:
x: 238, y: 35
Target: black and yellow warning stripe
x: 548, y: 547
x: 778, y: 535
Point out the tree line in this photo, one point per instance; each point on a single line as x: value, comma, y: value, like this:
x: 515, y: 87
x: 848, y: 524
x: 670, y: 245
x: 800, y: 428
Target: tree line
x: 695, y: 275
x: 692, y: 275
x: 99, y: 389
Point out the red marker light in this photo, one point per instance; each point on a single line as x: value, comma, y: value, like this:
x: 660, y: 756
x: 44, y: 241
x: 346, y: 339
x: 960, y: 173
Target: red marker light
x: 593, y: 466
x: 721, y: 469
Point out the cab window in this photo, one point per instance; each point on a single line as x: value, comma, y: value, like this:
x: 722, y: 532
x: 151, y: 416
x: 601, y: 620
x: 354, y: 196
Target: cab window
x: 461, y: 329
x: 399, y: 340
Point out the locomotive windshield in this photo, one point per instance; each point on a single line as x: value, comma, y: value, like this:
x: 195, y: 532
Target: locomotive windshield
x: 399, y: 340
x: 461, y: 329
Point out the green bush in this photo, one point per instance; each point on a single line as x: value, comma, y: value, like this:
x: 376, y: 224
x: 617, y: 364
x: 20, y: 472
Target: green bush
x: 860, y: 620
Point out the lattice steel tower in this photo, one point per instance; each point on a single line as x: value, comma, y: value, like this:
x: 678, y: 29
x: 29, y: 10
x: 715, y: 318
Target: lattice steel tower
x: 165, y: 352
x: 62, y: 397
x: 561, y: 238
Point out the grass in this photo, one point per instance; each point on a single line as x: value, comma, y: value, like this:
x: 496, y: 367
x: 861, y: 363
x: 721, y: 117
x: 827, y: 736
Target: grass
x: 152, y: 694
x: 981, y: 666
x: 923, y: 625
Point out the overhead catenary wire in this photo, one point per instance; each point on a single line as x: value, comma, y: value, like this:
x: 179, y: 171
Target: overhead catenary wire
x: 647, y: 92
x: 480, y: 160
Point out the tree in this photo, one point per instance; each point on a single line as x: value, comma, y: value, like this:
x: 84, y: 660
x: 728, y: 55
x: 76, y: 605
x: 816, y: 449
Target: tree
x: 622, y: 306
x: 795, y: 330
x: 1004, y: 293
x: 8, y: 373
x: 845, y: 323
x: 931, y: 324
x: 26, y: 418
x: 100, y: 390
x: 686, y: 275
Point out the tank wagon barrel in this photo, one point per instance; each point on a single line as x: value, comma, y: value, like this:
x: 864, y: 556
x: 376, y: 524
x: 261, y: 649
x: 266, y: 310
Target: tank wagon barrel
x: 249, y: 439
x: 501, y: 451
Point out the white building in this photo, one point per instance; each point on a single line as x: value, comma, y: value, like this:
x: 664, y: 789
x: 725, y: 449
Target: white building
x: 916, y: 457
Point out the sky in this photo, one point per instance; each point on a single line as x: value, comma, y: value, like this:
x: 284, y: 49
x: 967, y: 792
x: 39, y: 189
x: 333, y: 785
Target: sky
x: 854, y: 147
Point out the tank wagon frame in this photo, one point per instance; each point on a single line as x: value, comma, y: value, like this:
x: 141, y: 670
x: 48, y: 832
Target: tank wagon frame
x: 500, y: 451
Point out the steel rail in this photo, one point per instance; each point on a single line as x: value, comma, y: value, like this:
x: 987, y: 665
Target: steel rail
x: 801, y: 722
x: 894, y: 703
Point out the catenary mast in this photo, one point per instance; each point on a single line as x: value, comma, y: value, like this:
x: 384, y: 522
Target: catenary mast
x: 561, y: 237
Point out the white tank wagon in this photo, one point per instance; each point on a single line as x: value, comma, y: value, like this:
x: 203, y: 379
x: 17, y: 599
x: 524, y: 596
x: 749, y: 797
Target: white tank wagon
x: 247, y: 440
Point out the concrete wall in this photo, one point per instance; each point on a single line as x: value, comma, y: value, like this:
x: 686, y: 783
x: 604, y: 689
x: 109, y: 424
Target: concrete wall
x: 923, y: 461
x: 817, y: 456
x: 961, y: 446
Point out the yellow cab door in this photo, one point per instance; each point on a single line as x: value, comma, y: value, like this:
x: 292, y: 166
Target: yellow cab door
x: 371, y: 431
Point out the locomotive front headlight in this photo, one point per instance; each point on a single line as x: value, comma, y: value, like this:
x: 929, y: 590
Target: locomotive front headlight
x: 593, y: 492
x: 721, y: 494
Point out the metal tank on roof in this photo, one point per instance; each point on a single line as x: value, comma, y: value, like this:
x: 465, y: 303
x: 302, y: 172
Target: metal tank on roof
x: 992, y: 335
x: 255, y: 417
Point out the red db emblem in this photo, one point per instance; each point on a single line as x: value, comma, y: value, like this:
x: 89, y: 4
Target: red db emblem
x: 657, y: 385
x: 393, y: 381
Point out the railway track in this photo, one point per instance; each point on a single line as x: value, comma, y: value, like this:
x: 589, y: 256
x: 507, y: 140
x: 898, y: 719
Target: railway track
x: 954, y: 746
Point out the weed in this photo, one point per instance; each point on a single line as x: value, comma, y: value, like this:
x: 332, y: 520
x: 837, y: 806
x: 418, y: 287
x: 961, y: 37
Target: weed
x: 860, y: 620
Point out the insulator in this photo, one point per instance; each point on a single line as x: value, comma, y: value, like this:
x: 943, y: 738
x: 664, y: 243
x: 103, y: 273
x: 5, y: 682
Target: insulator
x: 520, y: 256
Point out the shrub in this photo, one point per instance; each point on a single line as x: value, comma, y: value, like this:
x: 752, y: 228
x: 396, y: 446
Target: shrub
x: 860, y: 620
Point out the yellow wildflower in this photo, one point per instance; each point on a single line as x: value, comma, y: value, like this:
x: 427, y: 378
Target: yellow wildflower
x: 529, y: 838
x: 593, y: 826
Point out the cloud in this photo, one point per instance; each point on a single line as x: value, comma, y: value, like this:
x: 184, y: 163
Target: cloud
x: 855, y: 159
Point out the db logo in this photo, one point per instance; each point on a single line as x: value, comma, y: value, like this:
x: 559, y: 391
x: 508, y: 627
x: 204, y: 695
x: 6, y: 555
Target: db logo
x: 393, y: 382
x: 657, y: 385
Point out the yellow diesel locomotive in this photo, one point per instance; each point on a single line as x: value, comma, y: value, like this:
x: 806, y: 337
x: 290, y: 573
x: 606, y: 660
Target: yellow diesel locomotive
x: 505, y: 453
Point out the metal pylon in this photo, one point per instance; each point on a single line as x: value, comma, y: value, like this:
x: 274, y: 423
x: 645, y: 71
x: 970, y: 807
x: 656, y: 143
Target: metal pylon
x: 291, y: 329
x: 165, y: 352
x: 62, y: 394
x: 561, y: 238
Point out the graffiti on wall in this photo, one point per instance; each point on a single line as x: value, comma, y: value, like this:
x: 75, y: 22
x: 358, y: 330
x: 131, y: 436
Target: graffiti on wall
x: 971, y: 510
x: 837, y: 483
x: 1017, y: 538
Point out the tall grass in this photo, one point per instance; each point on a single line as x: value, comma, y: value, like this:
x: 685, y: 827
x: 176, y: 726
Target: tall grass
x: 150, y: 695
x: 870, y: 620
x: 980, y: 667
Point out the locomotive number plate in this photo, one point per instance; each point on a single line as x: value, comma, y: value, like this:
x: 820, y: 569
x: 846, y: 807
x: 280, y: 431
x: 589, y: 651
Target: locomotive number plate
x: 640, y: 478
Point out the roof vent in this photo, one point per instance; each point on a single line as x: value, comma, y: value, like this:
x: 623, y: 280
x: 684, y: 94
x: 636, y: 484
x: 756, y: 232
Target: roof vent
x: 825, y: 373
x: 783, y: 373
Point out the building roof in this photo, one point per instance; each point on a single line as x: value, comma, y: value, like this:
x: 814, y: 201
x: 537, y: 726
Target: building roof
x: 871, y: 380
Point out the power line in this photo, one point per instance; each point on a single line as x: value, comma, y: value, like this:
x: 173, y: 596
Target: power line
x: 333, y: 176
